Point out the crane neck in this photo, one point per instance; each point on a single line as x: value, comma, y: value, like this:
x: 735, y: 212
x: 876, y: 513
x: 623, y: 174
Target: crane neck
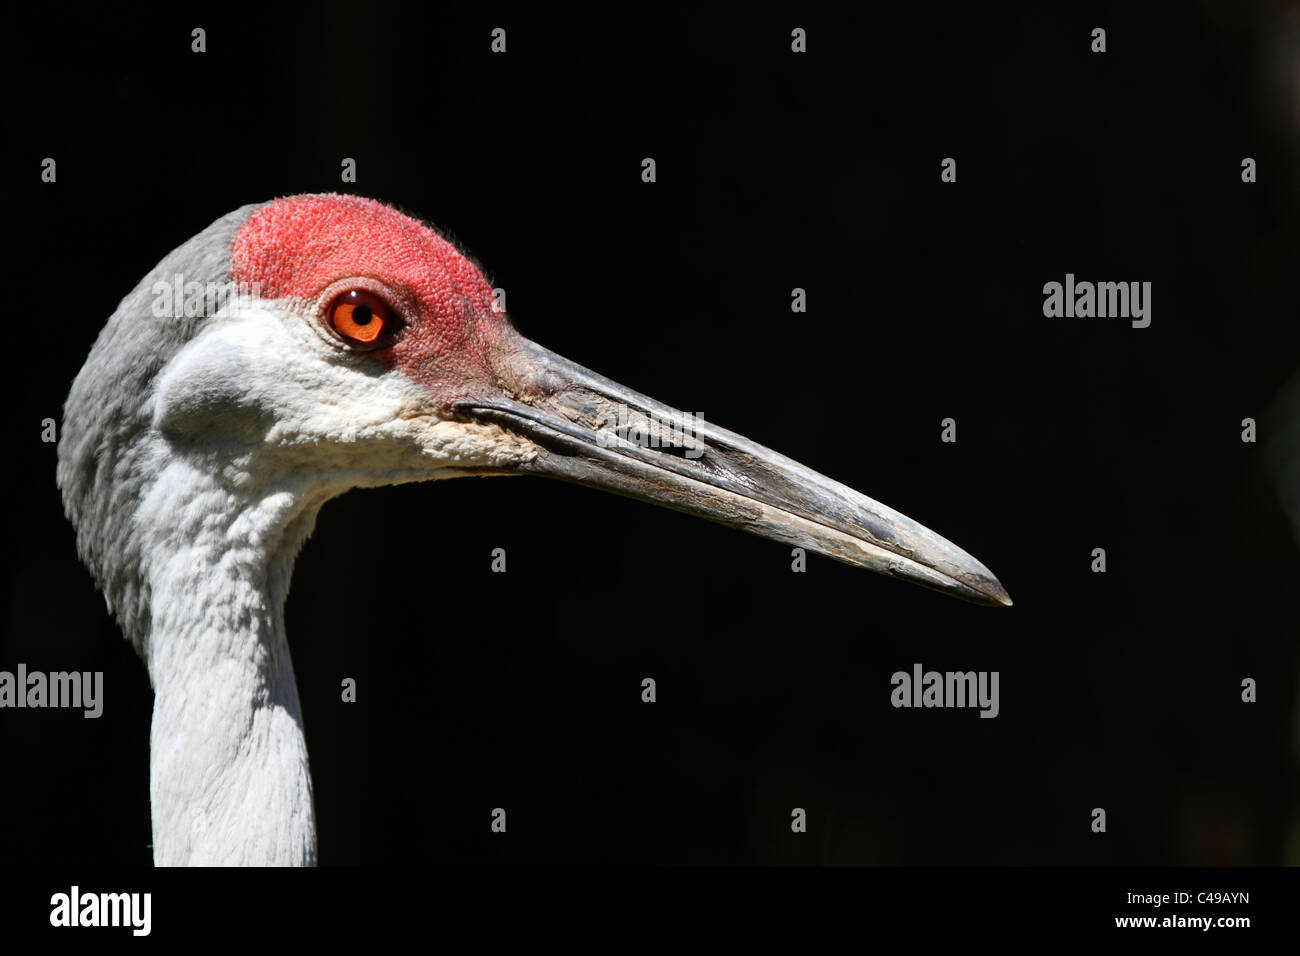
x: 229, y: 776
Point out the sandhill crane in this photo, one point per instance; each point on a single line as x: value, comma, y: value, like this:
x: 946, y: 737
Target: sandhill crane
x: 204, y: 433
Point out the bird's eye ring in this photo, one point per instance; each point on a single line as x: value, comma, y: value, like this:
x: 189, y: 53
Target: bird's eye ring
x: 362, y: 318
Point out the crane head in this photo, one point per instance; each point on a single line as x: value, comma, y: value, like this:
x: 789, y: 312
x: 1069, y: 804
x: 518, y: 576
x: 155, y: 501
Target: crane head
x: 358, y: 347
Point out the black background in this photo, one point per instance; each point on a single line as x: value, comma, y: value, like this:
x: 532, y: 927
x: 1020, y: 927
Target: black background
x: 775, y: 170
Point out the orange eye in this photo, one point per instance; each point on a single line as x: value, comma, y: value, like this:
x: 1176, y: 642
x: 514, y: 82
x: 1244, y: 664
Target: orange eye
x: 361, y: 317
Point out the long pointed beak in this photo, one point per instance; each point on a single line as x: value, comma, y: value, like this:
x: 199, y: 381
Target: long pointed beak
x: 598, y: 433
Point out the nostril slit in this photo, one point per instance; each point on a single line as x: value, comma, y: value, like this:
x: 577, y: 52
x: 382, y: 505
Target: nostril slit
x: 677, y: 451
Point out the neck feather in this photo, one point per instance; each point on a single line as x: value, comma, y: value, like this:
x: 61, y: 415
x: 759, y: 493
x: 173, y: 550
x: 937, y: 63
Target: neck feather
x: 229, y: 778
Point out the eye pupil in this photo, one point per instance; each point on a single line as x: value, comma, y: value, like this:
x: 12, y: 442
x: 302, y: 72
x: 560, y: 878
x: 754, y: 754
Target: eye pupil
x: 363, y: 318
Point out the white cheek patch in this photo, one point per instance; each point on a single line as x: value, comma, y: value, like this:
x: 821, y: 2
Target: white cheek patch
x: 266, y: 358
x: 204, y: 393
x: 262, y: 379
